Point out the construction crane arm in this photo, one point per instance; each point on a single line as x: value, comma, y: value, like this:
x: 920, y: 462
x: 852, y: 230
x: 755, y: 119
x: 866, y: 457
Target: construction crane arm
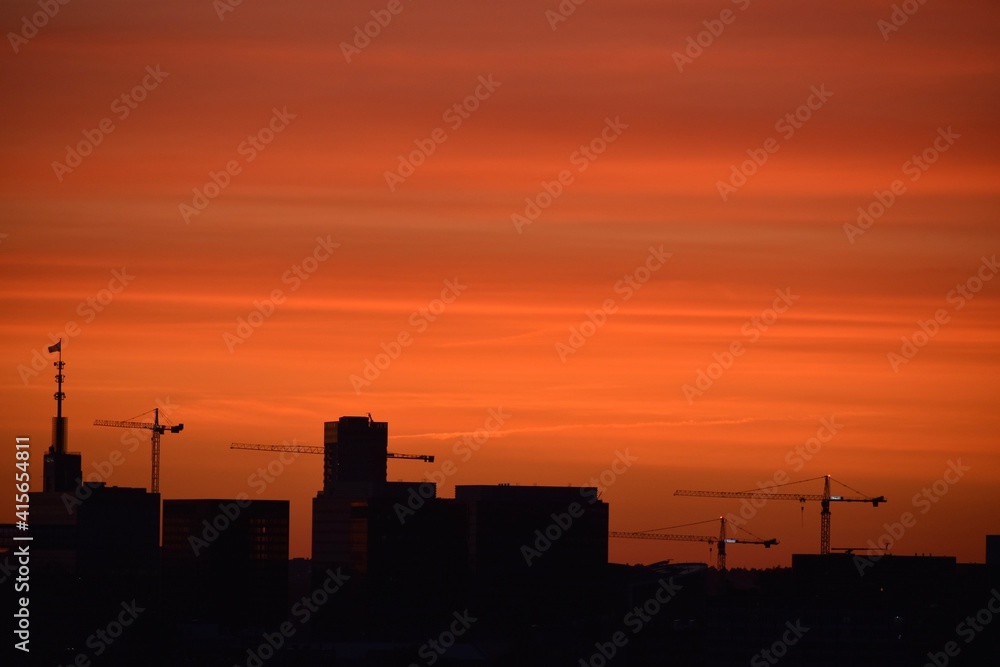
x: 769, y: 494
x: 157, y: 429
x: 844, y: 499
x: 764, y: 494
x: 298, y: 449
x: 664, y: 536
x: 125, y: 424
x: 767, y: 543
x: 721, y: 541
x: 310, y: 449
x: 149, y: 426
x: 689, y: 538
x: 418, y: 457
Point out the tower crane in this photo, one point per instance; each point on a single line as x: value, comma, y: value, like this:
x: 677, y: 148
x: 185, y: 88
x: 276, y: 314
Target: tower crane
x: 312, y: 449
x: 721, y: 541
x: 157, y: 429
x: 825, y: 499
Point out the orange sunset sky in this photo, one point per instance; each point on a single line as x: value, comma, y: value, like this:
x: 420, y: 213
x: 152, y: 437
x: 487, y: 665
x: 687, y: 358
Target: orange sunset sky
x: 910, y: 106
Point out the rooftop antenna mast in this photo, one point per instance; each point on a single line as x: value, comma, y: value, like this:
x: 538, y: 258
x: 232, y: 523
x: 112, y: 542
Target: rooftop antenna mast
x: 59, y: 423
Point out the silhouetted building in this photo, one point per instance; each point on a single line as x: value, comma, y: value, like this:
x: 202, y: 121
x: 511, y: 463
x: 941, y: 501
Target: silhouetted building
x: 62, y: 471
x: 402, y: 540
x: 119, y: 531
x: 993, y: 549
x: 860, y: 609
x: 363, y: 523
x: 354, y: 470
x: 520, y: 530
x: 348, y: 522
x: 869, y: 576
x: 225, y: 561
x: 355, y: 450
x: 403, y: 548
x: 94, y: 557
x: 93, y: 549
x: 97, y: 532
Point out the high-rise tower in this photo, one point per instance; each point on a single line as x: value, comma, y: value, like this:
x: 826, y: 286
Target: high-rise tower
x: 62, y: 470
x: 354, y: 451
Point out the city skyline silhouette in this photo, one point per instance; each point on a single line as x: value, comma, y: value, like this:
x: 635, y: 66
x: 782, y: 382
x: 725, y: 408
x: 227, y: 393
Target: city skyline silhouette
x: 335, y: 284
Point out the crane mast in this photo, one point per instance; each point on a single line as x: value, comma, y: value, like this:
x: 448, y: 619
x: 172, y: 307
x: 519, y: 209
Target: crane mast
x: 824, y: 499
x: 721, y: 541
x: 157, y: 430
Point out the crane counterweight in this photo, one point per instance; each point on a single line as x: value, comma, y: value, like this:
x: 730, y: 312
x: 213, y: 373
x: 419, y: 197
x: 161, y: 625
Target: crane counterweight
x: 721, y: 541
x: 824, y: 499
x: 157, y: 430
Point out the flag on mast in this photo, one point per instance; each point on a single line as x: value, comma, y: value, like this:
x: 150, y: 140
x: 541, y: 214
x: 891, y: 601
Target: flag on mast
x: 57, y: 347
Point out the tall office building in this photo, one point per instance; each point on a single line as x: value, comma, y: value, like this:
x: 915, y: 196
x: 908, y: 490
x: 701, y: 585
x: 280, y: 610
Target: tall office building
x: 355, y: 451
x: 91, y: 550
x: 61, y: 470
x: 354, y: 470
x: 535, y: 530
x: 402, y: 547
x: 226, y: 560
